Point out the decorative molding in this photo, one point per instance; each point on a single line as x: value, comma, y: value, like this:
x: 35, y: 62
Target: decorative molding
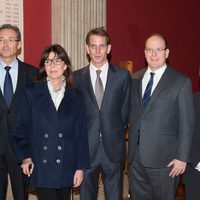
x: 71, y: 21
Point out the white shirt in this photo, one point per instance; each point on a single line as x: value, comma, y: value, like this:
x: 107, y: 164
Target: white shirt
x: 58, y: 95
x: 103, y: 74
x: 156, y: 79
x: 13, y: 73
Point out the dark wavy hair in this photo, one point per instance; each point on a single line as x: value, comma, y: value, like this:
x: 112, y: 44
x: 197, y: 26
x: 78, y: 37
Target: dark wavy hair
x: 60, y: 52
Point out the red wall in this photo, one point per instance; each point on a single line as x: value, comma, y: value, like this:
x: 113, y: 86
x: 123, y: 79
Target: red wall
x: 129, y: 22
x: 37, y: 29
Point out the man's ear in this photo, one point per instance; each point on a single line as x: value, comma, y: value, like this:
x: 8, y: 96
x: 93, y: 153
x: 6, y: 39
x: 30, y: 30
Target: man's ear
x: 109, y: 49
x: 19, y: 45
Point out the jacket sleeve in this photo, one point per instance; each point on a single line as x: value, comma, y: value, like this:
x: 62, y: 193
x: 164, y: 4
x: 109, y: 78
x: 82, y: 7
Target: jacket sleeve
x: 186, y: 120
x: 126, y: 102
x: 21, y: 130
x: 195, y: 150
x: 83, y: 158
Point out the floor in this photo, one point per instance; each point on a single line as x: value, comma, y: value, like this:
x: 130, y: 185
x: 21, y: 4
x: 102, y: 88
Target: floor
x: 179, y: 196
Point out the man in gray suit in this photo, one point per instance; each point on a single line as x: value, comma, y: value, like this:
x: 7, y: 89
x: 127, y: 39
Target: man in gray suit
x: 107, y: 105
x: 161, y: 126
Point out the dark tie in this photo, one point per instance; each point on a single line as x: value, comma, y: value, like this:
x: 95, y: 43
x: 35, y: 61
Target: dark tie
x: 99, y: 89
x: 8, y: 88
x: 147, y: 93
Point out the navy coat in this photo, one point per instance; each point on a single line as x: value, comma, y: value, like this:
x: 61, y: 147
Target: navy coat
x: 56, y: 140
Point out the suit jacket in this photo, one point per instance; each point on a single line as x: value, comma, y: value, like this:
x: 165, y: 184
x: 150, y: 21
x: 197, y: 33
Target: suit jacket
x: 26, y: 73
x: 112, y: 118
x: 191, y: 177
x: 163, y: 131
x: 56, y: 140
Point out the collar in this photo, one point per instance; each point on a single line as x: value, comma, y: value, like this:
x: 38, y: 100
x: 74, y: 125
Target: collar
x: 13, y: 65
x: 103, y: 67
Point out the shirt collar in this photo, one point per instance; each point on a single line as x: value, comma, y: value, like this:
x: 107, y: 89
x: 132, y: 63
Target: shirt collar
x: 13, y: 65
x: 103, y: 68
x: 62, y: 86
x: 159, y: 71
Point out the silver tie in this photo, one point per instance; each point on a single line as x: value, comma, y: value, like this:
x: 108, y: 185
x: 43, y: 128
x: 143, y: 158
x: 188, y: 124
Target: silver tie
x: 99, y: 89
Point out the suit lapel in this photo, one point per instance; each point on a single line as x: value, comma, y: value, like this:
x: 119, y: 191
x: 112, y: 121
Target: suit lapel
x: 45, y: 105
x: 86, y: 81
x: 21, y: 81
x: 162, y: 84
x: 109, y: 83
x: 66, y: 106
x: 139, y: 89
x: 2, y: 100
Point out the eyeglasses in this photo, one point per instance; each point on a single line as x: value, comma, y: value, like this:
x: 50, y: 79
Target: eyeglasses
x: 157, y: 51
x: 8, y: 41
x: 102, y: 46
x: 56, y: 61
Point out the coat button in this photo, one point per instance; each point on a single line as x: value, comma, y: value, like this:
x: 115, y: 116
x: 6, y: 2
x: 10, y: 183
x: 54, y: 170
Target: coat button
x: 58, y: 161
x: 46, y: 135
x: 60, y: 135
x: 59, y: 148
x: 45, y: 147
x: 44, y: 161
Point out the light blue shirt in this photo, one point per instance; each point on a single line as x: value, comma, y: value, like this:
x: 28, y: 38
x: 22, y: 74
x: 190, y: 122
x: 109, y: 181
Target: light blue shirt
x: 57, y: 96
x: 13, y: 73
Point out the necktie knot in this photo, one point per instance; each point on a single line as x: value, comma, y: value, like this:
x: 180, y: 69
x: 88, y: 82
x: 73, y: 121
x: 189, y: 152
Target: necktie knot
x: 98, y: 73
x: 152, y: 74
x: 7, y: 68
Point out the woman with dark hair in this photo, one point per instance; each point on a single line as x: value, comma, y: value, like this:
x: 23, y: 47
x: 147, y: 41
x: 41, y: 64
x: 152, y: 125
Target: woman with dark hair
x: 50, y: 133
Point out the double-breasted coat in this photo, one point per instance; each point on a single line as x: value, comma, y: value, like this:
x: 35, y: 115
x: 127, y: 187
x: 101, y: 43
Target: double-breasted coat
x: 56, y: 140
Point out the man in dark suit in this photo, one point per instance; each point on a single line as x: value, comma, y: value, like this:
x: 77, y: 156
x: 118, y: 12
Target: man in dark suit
x: 107, y: 105
x: 19, y: 74
x: 191, y: 177
x: 161, y: 125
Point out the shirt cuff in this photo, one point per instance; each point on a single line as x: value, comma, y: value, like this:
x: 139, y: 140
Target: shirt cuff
x: 198, y: 166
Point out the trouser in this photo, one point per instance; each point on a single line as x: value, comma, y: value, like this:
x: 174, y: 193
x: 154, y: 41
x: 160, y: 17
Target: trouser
x: 151, y: 183
x: 53, y: 194
x: 9, y: 166
x: 112, y: 177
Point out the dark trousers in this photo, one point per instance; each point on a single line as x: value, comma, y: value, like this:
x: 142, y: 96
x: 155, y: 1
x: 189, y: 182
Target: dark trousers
x: 151, y: 183
x: 9, y: 166
x: 112, y: 177
x: 53, y: 194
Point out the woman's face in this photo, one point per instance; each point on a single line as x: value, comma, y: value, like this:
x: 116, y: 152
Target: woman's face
x: 54, y: 66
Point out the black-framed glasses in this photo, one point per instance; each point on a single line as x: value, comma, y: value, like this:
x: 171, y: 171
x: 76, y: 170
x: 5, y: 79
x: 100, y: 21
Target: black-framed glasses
x: 56, y: 61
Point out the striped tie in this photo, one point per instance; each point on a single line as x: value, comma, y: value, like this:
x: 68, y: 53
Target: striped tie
x: 147, y: 93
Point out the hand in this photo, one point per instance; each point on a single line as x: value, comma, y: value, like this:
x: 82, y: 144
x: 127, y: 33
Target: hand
x: 78, y: 178
x: 27, y: 166
x: 178, y: 167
